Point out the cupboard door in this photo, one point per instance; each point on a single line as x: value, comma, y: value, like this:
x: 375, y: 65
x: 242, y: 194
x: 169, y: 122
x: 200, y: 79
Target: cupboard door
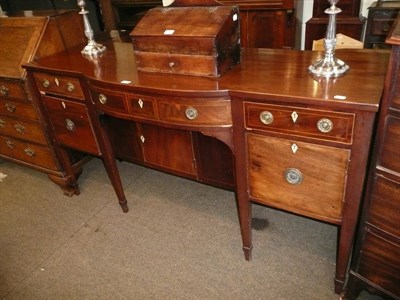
x: 168, y: 148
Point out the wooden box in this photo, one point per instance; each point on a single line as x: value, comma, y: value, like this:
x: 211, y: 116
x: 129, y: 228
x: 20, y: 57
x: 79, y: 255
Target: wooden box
x: 199, y: 40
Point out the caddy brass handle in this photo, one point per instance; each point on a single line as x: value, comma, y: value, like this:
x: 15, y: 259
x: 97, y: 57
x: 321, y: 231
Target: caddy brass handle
x: 4, y: 90
x: 20, y: 128
x: 191, y: 113
x: 102, y: 98
x: 70, y: 125
x: 10, y: 144
x: 29, y: 152
x: 325, y: 125
x: 11, y: 108
x: 2, y: 123
x: 266, y: 117
x: 293, y: 176
x: 70, y: 87
x: 46, y: 83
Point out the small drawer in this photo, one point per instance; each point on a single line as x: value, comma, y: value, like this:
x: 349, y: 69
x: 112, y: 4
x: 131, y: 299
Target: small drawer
x: 381, y: 26
x: 390, y: 155
x: 105, y: 100
x: 142, y: 106
x: 59, y: 85
x: 25, y: 130
x: 29, y: 153
x: 24, y: 110
x: 380, y: 262
x: 12, y: 90
x: 196, y: 112
x: 309, y: 123
x: 295, y: 176
x: 71, y: 124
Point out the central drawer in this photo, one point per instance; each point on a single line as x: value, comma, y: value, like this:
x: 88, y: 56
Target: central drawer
x: 299, y: 177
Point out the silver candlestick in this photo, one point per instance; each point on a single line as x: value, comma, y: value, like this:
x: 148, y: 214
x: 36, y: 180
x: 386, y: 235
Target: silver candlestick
x: 330, y: 66
x: 92, y: 49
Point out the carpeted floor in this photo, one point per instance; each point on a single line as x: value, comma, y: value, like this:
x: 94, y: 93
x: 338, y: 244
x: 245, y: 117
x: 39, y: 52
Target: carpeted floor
x: 180, y: 240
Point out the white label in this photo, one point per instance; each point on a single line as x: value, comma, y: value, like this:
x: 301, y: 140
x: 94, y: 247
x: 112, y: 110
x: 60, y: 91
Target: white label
x: 234, y: 17
x: 339, y: 97
x: 126, y: 81
x: 169, y: 32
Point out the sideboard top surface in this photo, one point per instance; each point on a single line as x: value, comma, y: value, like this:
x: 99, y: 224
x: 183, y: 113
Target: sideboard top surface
x: 277, y: 73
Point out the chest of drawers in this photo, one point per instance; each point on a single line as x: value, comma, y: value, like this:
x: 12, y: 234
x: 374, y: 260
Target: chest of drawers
x: 23, y: 132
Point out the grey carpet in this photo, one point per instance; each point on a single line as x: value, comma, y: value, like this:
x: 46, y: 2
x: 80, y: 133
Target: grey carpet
x: 180, y: 240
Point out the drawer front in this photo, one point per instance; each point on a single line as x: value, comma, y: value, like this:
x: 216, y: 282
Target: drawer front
x: 177, y: 63
x: 142, y: 106
x: 105, y: 100
x: 296, y: 176
x: 24, y: 110
x: 390, y: 155
x: 71, y: 124
x: 381, y: 26
x: 12, y: 90
x: 196, y: 112
x: 385, y: 206
x: 299, y: 121
x: 380, y: 262
x: 60, y: 85
x: 30, y: 153
x: 29, y: 131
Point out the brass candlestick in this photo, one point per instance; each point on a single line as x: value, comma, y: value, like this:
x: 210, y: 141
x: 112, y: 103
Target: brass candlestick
x: 92, y: 49
x: 330, y: 66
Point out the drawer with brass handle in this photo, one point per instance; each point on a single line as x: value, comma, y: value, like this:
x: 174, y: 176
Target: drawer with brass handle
x: 109, y: 101
x: 30, y: 131
x: 305, y: 122
x: 295, y: 176
x: 12, y: 89
x: 18, y: 109
x: 59, y: 85
x: 71, y: 124
x: 196, y: 112
x: 28, y: 152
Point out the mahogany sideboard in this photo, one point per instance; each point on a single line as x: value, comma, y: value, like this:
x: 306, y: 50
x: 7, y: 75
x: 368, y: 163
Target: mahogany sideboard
x: 376, y: 263
x: 23, y: 132
x: 265, y: 129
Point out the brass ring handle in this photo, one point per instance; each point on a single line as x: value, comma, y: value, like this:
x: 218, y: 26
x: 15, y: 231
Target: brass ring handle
x: 20, y: 128
x: 191, y: 113
x: 293, y: 176
x: 29, y: 152
x: 46, y: 83
x: 4, y: 90
x: 266, y: 117
x: 70, y: 87
x: 102, y: 98
x: 10, y: 144
x: 11, y: 108
x: 386, y: 27
x: 325, y: 125
x: 70, y: 125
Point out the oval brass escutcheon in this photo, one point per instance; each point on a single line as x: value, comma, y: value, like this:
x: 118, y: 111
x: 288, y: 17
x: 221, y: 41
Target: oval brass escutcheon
x: 46, y: 83
x: 293, y: 176
x: 4, y: 90
x: 266, y: 117
x: 191, y: 113
x: 69, y: 124
x: 102, y: 98
x: 70, y: 87
x: 325, y: 125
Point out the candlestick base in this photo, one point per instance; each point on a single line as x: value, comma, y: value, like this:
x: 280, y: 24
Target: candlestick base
x: 328, y: 67
x: 93, y: 49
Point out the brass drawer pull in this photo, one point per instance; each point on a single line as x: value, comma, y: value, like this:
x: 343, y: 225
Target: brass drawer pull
x: 325, y: 125
x: 4, y: 90
x: 20, y: 128
x: 11, y: 108
x: 46, y: 83
x: 10, y: 144
x: 191, y: 113
x: 102, y: 98
x: 293, y: 176
x: 29, y: 152
x: 266, y: 117
x: 70, y: 87
x: 386, y: 27
x: 2, y: 123
x: 70, y: 125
